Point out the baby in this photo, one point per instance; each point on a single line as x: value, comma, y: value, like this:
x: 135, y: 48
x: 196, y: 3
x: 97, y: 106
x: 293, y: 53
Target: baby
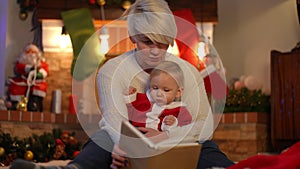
x: 160, y: 107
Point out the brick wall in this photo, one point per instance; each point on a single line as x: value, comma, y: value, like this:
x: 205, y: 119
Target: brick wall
x: 59, y: 78
x: 24, y: 124
x: 244, y: 134
x: 239, y: 135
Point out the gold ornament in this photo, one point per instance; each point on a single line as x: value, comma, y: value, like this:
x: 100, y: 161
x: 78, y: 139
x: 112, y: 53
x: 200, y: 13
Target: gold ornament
x: 101, y: 2
x: 126, y: 4
x: 22, y: 105
x: 28, y: 155
x: 2, y: 151
x: 72, y: 140
x: 23, y: 15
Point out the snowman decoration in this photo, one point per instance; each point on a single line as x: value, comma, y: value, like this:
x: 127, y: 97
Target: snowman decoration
x: 28, y: 88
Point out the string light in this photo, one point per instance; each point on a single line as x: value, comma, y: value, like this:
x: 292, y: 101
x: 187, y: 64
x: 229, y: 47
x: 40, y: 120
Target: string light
x: 202, y: 47
x: 104, y: 40
x: 174, y: 49
x: 103, y: 34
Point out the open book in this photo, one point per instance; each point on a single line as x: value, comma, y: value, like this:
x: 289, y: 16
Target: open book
x: 144, y: 154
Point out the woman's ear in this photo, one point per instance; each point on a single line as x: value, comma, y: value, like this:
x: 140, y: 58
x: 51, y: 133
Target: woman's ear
x: 132, y: 38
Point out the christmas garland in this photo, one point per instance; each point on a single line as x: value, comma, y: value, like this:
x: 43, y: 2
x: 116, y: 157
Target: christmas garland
x: 111, y: 2
x: 58, y: 145
x: 245, y: 100
x: 26, y: 6
x: 29, y: 5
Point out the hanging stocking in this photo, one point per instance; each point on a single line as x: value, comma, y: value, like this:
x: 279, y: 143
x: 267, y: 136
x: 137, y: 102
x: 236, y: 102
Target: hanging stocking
x: 79, y: 25
x: 187, y: 40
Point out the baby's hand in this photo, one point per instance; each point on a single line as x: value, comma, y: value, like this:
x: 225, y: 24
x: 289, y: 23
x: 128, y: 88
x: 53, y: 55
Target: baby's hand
x: 169, y: 120
x: 130, y: 91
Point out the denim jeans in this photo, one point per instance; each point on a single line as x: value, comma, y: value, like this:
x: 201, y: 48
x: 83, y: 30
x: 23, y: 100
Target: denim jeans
x: 93, y: 156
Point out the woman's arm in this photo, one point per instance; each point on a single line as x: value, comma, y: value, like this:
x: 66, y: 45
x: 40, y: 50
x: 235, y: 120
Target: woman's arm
x: 113, y: 78
x: 112, y: 105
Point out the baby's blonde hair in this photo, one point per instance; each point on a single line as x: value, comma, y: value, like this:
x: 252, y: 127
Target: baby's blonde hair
x: 152, y: 18
x: 170, y: 68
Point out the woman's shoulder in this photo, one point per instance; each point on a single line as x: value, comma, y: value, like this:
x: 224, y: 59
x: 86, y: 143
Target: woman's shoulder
x: 120, y: 58
x: 113, y: 63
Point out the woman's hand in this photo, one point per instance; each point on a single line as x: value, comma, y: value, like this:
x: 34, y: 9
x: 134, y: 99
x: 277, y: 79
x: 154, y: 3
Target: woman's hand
x: 119, y: 158
x: 154, y: 135
x: 131, y: 90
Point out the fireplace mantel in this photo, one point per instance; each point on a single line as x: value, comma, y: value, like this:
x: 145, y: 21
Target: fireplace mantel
x: 51, y: 9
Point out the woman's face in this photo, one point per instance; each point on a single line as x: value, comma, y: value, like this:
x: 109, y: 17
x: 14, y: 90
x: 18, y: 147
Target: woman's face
x: 149, y: 54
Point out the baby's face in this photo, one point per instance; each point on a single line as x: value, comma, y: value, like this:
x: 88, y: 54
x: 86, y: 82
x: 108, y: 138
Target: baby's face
x: 164, y: 89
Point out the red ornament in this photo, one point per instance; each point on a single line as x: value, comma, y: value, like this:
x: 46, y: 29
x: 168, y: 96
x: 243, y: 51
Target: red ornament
x: 59, y: 150
x: 92, y: 2
x: 59, y: 142
x: 65, y: 137
x: 75, y: 154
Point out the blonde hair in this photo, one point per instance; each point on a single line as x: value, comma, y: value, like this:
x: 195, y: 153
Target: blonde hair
x: 170, y: 68
x: 152, y: 18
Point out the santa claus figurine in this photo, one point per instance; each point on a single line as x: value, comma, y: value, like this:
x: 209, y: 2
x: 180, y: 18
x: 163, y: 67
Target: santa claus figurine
x: 29, y: 82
